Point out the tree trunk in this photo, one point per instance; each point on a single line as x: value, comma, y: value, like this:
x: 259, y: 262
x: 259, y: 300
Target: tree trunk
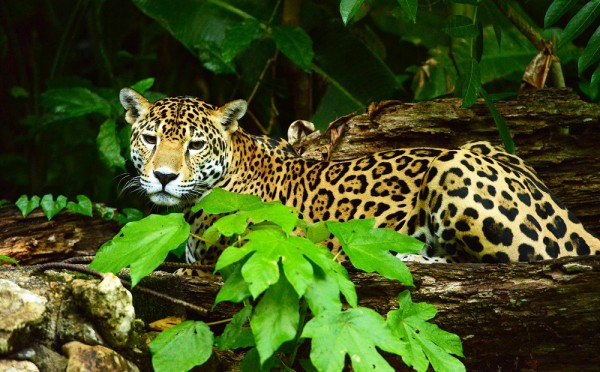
x: 554, y: 131
x: 34, y: 239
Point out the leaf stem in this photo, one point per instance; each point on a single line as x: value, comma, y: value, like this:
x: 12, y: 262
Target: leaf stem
x: 219, y: 321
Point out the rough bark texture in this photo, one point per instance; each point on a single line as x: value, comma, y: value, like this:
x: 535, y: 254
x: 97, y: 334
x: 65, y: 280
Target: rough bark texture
x: 539, y: 120
x: 34, y: 239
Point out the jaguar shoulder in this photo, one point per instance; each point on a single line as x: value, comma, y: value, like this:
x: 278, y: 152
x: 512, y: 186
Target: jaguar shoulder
x: 472, y: 204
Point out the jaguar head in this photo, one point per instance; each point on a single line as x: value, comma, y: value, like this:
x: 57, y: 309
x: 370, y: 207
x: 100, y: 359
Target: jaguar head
x: 179, y: 145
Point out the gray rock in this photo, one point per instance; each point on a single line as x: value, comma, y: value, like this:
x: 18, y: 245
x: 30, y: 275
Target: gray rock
x: 46, y: 359
x: 110, y: 306
x: 9, y: 365
x: 20, y: 312
x: 85, y: 358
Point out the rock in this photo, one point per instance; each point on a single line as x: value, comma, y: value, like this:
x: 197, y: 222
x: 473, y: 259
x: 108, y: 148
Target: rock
x: 20, y: 312
x: 43, y: 357
x: 109, y: 304
x: 87, y: 358
x: 9, y: 365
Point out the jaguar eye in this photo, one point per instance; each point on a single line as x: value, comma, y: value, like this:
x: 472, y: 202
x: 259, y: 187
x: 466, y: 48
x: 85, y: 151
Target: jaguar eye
x: 149, y: 139
x: 196, y: 145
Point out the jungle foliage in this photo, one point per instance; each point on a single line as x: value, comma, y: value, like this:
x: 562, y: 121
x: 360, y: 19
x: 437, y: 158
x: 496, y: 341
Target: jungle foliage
x: 64, y: 62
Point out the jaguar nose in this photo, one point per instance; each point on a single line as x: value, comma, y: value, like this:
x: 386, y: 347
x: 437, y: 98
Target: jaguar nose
x: 165, y: 178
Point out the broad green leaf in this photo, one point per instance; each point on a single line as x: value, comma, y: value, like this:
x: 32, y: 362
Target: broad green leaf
x: 262, y: 270
x: 212, y: 59
x: 507, y: 140
x: 317, y: 232
x: 426, y: 341
x: 129, y: 215
x: 83, y: 206
x: 106, y: 213
x: 222, y: 201
x: 580, y: 22
x: 27, y: 205
x: 239, y: 37
x: 236, y: 335
x: 460, y: 26
x: 232, y: 255
x: 349, y: 8
x: 182, y: 347
x: 143, y: 85
x: 67, y: 103
x: 108, y: 145
x: 591, y: 53
x: 323, y: 294
x: 10, y: 260
x: 595, y: 81
x: 51, y: 207
x: 275, y: 319
x: 354, y: 332
x: 234, y: 289
x: 471, y: 85
x: 295, y: 43
x: 142, y: 245
x: 369, y: 249
x: 410, y: 8
x: 556, y: 10
x: 251, y: 362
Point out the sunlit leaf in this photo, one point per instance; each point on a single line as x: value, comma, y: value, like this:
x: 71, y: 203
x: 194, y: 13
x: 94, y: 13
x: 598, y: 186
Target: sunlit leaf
x: 27, y: 205
x: 236, y: 334
x: 67, y: 103
x: 238, y: 38
x: 109, y: 146
x: 295, y: 43
x: 143, y: 85
x: 50, y: 207
x: 83, y: 206
x: 182, y: 347
x: 509, y: 144
x: 349, y: 8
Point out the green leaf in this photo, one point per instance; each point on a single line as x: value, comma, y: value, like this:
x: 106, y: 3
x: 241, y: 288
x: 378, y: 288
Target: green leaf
x: 276, y: 318
x: 460, y: 26
x: 108, y: 145
x: 10, y: 260
x: 182, y: 347
x: 51, y: 207
x: 222, y: 201
x: 509, y: 144
x: 238, y: 38
x: 410, y: 8
x: 143, y: 85
x: 323, y: 294
x: 471, y: 84
x: 426, y: 341
x: 235, y: 334
x: 262, y: 270
x: 235, y: 289
x: 129, y: 215
x: 317, y: 232
x: 106, y: 213
x: 580, y: 21
x: 251, y: 362
x: 83, y: 206
x: 27, y: 205
x: 67, y: 103
x: 142, y: 245
x: 595, y: 81
x: 369, y: 249
x: 556, y: 10
x: 212, y: 59
x: 591, y: 53
x: 295, y: 43
x: 355, y: 332
x: 349, y: 8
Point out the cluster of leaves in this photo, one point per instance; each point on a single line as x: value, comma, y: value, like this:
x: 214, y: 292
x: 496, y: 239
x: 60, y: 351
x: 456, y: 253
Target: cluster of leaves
x: 51, y: 207
x: 284, y: 279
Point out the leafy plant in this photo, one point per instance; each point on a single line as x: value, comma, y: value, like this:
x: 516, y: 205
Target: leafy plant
x: 283, y: 280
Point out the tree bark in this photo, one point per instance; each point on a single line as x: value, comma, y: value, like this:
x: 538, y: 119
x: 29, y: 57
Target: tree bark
x: 554, y: 131
x: 34, y: 239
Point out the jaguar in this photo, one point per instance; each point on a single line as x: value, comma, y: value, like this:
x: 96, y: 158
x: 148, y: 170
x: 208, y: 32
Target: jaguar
x: 476, y: 203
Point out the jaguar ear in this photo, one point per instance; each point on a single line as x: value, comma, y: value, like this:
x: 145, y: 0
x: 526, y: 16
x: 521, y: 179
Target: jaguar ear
x: 135, y: 104
x: 230, y: 113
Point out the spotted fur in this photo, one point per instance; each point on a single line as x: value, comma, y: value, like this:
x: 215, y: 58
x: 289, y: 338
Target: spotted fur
x: 473, y: 204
